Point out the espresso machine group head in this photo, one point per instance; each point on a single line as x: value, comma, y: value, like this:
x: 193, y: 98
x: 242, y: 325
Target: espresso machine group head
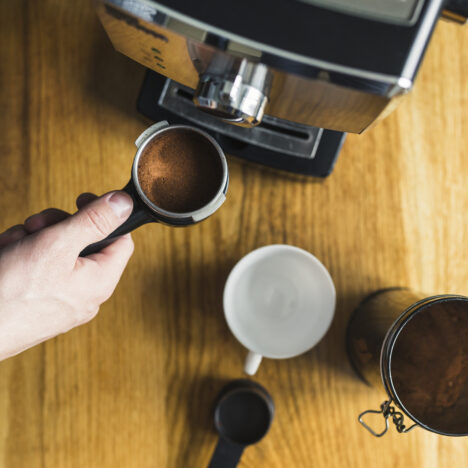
x: 277, y: 82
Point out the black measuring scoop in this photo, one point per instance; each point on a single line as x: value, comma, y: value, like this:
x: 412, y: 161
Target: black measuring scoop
x: 243, y: 414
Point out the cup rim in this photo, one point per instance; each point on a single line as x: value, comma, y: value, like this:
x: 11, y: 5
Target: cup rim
x: 205, y: 210
x: 241, y: 264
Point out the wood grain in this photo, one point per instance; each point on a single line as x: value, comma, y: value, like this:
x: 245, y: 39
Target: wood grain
x: 134, y: 388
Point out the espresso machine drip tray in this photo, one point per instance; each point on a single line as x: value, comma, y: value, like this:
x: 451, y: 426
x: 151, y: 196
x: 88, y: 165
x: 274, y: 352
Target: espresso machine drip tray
x: 277, y: 143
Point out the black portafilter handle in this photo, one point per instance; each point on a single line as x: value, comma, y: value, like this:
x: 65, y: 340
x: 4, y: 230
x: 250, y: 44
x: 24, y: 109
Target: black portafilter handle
x: 138, y: 217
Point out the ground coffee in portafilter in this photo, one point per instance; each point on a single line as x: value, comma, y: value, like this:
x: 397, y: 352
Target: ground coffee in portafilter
x: 429, y: 366
x: 180, y: 171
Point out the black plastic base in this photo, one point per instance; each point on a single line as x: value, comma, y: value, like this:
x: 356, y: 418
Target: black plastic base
x: 319, y: 166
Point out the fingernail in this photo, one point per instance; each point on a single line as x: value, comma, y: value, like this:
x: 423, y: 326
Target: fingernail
x: 121, y: 204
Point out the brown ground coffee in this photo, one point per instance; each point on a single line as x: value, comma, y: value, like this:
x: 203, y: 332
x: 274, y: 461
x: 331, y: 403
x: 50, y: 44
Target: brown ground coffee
x: 430, y: 366
x: 180, y: 171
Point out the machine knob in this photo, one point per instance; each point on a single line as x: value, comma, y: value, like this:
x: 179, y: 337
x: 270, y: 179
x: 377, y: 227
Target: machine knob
x: 239, y: 98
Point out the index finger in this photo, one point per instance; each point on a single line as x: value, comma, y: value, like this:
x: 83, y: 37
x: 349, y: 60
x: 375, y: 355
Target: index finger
x: 12, y: 234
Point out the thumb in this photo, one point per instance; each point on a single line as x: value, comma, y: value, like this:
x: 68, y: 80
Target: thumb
x: 96, y: 220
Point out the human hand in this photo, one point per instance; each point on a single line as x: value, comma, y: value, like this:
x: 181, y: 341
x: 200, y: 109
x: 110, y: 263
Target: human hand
x: 45, y: 287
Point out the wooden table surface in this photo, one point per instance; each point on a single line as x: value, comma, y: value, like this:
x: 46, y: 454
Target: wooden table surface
x: 134, y: 388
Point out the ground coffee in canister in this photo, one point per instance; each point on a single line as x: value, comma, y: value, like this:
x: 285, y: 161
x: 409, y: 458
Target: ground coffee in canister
x: 417, y: 347
x: 429, y: 366
x: 180, y: 171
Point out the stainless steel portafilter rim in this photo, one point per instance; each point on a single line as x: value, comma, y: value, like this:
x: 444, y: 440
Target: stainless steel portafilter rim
x: 204, y: 211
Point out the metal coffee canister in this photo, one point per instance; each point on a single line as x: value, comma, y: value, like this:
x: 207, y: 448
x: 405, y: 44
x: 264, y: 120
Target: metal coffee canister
x: 401, y: 338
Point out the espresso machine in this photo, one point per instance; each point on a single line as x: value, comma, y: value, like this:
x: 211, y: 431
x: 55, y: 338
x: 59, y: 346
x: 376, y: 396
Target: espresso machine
x: 277, y: 82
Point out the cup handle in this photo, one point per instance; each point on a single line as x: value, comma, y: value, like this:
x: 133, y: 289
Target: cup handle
x: 138, y: 217
x: 252, y: 363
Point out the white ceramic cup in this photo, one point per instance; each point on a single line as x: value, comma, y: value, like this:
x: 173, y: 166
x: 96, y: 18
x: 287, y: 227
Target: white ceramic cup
x: 279, y: 302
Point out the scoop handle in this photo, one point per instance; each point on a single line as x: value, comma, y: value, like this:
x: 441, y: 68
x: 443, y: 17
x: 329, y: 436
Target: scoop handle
x: 226, y: 454
x: 138, y: 217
